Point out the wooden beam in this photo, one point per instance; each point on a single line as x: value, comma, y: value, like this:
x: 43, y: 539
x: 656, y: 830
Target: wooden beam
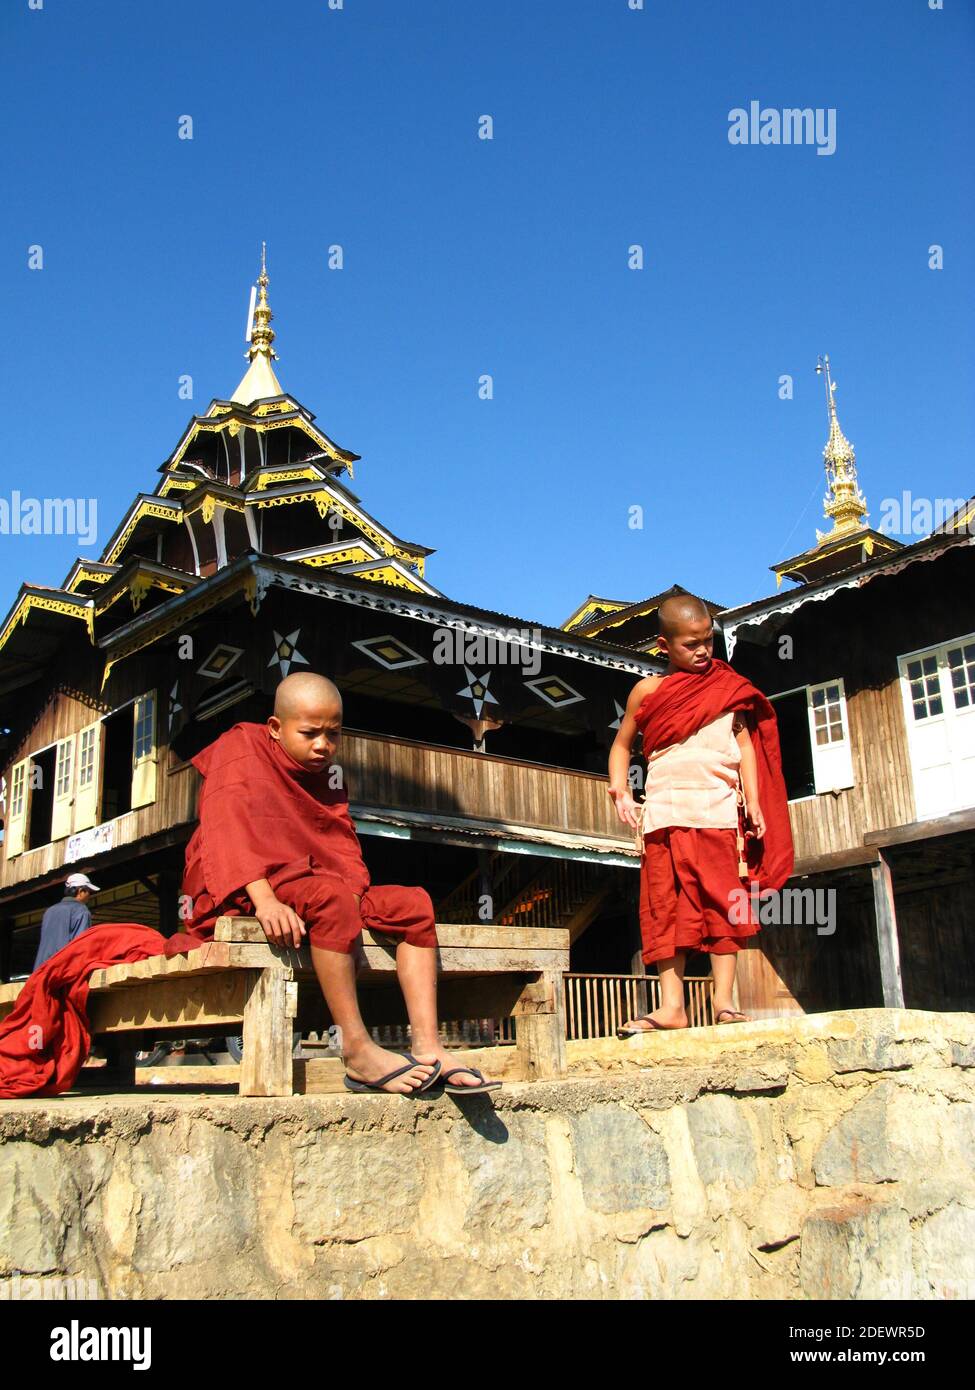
x: 888, y: 948
x: 249, y: 929
x: 957, y: 823
x: 837, y: 859
x: 215, y: 999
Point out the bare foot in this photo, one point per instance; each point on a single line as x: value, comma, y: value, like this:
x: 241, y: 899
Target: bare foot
x: 447, y: 1060
x: 664, y: 1017
x: 369, y: 1062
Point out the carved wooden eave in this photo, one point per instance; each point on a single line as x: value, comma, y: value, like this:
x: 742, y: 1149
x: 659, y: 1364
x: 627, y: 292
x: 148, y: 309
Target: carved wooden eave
x: 145, y: 507
x: 87, y: 572
x: 592, y: 607
x: 261, y: 416
x: 767, y: 616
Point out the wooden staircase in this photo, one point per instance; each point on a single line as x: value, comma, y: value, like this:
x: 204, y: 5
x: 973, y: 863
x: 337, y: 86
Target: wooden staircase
x: 564, y: 893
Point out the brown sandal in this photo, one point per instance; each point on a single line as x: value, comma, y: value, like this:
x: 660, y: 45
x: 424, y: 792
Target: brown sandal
x: 740, y: 1018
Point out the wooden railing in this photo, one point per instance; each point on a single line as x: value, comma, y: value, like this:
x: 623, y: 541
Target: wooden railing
x: 398, y: 772
x: 547, y: 900
x: 596, y: 1005
x: 552, y: 897
x: 463, y: 903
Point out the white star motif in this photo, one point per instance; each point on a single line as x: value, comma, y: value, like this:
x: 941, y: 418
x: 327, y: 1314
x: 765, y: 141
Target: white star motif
x: 286, y: 652
x: 476, y: 690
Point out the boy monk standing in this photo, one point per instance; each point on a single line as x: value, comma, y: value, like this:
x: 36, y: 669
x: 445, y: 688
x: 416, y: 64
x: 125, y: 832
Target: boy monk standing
x: 703, y: 725
x: 276, y: 840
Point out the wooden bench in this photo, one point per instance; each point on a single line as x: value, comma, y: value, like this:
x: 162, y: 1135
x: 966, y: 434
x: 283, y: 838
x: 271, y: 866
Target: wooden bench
x: 239, y: 982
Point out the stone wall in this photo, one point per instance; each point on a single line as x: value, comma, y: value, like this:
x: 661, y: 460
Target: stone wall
x: 831, y: 1156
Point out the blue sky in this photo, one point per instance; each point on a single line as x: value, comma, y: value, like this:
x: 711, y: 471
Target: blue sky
x: 612, y: 387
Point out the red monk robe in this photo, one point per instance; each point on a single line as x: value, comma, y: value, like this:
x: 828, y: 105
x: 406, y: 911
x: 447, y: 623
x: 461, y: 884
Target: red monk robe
x: 684, y: 702
x: 262, y: 815
x: 45, y: 1040
x: 703, y: 862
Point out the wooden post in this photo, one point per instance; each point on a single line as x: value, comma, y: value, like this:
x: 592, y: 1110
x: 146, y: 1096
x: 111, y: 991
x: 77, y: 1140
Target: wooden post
x: 540, y: 1036
x: 272, y: 1002
x: 885, y: 917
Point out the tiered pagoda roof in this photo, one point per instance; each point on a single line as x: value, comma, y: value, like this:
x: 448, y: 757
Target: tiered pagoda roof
x: 253, y: 474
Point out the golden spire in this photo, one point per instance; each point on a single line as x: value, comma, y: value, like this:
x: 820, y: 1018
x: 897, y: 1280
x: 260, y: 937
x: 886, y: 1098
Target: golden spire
x: 844, y: 501
x: 259, y: 380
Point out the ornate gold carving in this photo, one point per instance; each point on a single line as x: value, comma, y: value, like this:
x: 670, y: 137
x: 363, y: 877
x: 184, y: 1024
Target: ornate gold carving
x: 49, y: 605
x: 290, y: 475
x: 143, y: 509
x: 83, y: 574
x: 156, y: 631
x: 353, y: 556
x: 387, y: 575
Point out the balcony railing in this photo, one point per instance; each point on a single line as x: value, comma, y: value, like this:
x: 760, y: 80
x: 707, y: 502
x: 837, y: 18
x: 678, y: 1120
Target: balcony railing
x: 400, y: 774
x: 596, y: 1005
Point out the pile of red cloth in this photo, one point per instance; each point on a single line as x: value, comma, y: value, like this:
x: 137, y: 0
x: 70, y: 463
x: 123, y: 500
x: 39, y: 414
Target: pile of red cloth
x: 45, y: 1040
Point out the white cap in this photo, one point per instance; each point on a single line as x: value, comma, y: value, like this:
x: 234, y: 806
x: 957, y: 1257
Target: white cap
x: 81, y: 881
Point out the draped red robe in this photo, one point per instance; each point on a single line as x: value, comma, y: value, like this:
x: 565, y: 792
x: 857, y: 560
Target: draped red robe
x: 687, y: 700
x: 46, y: 1038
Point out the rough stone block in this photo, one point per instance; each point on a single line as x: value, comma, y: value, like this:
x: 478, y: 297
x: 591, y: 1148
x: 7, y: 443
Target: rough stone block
x: 856, y: 1251
x: 621, y: 1163
x: 724, y: 1148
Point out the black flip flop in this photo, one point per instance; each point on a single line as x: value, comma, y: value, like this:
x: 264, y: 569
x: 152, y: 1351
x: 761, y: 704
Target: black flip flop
x: 379, y: 1086
x: 468, y: 1090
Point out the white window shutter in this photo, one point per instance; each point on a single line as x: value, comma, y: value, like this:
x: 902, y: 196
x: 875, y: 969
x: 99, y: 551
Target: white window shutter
x: 829, y: 736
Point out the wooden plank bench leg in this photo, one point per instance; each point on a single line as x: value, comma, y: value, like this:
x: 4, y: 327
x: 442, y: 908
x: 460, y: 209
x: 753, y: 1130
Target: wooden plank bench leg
x: 265, y: 1068
x: 540, y: 1036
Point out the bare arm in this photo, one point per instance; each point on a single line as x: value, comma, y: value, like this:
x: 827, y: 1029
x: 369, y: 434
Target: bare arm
x: 619, y: 754
x: 282, y: 925
x: 749, y: 776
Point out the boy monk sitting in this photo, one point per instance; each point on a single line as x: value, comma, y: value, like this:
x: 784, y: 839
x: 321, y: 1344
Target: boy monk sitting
x: 276, y: 840
x: 702, y: 724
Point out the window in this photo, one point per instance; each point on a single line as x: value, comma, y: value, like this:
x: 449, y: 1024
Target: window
x: 938, y: 688
x: 144, y: 727
x: 62, y: 785
x: 41, y: 810
x: 827, y: 710
x: 961, y: 667
x: 925, y: 686
x: 18, y: 791
x: 86, y: 757
x: 815, y: 739
x: 117, y: 764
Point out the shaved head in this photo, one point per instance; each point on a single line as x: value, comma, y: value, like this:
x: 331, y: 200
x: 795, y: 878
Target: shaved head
x: 307, y: 719
x: 305, y: 691
x: 680, y: 611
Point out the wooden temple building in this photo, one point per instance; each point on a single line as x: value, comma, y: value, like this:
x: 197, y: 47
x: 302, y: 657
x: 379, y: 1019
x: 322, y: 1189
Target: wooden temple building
x: 475, y: 743
x: 869, y: 659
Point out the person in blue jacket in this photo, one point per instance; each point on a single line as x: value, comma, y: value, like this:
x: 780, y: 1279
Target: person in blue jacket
x: 67, y: 919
